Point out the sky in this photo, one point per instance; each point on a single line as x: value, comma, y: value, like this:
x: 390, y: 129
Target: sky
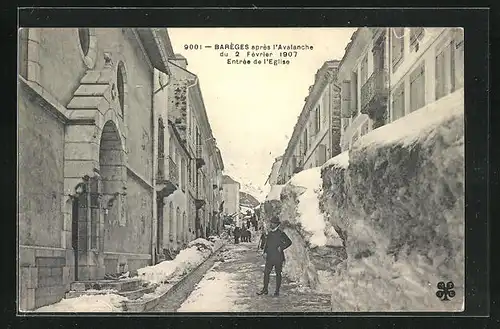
x: 253, y: 108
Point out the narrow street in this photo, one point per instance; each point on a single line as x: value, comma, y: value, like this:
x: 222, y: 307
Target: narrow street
x: 231, y: 286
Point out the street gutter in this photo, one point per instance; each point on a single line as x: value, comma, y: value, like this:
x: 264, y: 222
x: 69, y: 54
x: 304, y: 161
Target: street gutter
x: 134, y: 306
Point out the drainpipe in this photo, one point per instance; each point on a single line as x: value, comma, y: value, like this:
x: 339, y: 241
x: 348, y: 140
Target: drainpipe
x: 154, y: 143
x: 389, y: 72
x: 196, y: 216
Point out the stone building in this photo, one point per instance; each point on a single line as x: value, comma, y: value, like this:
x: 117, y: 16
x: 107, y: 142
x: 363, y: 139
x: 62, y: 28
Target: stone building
x: 387, y: 73
x: 231, y: 197
x: 316, y: 135
x: 272, y: 179
x: 204, y: 163
x: 104, y: 166
x: 86, y: 160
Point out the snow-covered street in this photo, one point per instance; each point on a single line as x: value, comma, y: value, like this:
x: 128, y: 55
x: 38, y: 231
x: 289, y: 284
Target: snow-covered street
x: 231, y: 286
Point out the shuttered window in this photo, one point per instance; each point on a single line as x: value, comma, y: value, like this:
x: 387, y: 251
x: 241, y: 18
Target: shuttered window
x: 416, y: 34
x: 364, y: 70
x: 417, y: 88
x: 445, y: 71
x: 354, y: 93
x: 397, y: 41
x: 345, y: 94
x: 459, y: 58
x: 398, y: 102
x: 321, y: 154
x: 23, y: 52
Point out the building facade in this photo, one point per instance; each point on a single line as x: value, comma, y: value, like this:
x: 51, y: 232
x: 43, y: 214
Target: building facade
x: 231, y: 197
x: 107, y: 171
x: 272, y: 179
x: 316, y: 135
x: 204, y: 163
x: 86, y: 159
x: 387, y: 73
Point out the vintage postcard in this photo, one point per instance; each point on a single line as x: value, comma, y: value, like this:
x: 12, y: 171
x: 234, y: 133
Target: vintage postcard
x: 241, y: 170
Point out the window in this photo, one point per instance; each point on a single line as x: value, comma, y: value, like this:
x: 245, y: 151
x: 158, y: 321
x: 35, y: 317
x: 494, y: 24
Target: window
x: 398, y: 102
x: 317, y: 116
x: 171, y: 219
x: 23, y: 52
x: 364, y: 70
x: 161, y: 149
x: 346, y: 105
x: 120, y: 82
x: 84, y: 36
x: 306, y: 146
x: 354, y: 93
x: 458, y: 57
x: 445, y: 71
x: 397, y: 40
x: 364, y: 128
x: 416, y: 34
x: 417, y: 88
x: 183, y: 174
x: 189, y: 172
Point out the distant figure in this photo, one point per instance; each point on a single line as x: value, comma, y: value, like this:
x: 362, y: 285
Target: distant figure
x: 277, y: 241
x: 237, y: 235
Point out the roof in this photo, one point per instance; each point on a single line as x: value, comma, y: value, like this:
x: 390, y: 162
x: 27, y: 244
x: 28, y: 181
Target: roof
x: 228, y: 180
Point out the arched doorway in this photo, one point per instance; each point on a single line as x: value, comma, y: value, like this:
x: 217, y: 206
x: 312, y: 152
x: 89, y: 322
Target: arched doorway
x: 114, y: 177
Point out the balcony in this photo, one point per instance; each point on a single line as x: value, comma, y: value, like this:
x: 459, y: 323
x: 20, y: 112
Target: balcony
x: 374, y: 95
x: 166, y: 185
x: 200, y: 162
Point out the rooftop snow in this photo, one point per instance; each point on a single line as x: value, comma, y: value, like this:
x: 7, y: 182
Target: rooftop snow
x: 339, y: 161
x: 274, y: 193
x: 416, y: 125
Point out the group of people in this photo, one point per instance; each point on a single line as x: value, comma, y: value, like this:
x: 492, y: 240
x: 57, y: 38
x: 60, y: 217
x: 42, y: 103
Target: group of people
x: 242, y: 233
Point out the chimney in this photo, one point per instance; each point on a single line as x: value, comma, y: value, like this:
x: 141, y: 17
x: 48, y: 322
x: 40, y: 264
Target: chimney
x: 180, y: 61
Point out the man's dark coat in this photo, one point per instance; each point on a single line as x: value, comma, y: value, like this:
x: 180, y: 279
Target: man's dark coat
x: 274, y: 240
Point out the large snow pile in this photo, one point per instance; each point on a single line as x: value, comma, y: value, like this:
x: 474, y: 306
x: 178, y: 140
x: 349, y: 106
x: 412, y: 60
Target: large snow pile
x: 198, y: 250
x: 96, y: 303
x: 274, y: 193
x: 306, y: 188
x: 315, y: 244
x: 399, y: 207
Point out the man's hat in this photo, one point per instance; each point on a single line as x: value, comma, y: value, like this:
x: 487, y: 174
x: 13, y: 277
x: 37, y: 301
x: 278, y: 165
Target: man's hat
x: 275, y: 220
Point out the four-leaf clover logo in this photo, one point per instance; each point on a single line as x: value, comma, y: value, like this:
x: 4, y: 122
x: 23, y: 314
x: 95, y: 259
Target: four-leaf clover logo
x: 445, y: 291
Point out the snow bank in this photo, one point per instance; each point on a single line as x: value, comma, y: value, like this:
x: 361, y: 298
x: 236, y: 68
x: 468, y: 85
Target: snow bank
x: 187, y: 259
x: 274, y: 193
x: 306, y: 187
x: 399, y: 207
x: 339, y: 161
x: 97, y: 303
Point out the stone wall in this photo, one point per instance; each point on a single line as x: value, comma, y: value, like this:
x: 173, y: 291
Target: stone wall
x: 43, y: 261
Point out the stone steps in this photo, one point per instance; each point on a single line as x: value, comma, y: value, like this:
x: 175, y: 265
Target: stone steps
x: 130, y: 288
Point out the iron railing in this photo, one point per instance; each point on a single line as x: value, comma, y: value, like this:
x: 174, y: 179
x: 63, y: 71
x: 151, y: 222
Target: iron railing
x: 375, y: 86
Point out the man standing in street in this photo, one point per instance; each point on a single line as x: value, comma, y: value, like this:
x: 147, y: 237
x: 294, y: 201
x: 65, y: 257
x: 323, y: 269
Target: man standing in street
x: 277, y: 241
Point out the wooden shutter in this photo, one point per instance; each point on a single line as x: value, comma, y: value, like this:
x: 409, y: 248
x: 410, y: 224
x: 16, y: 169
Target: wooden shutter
x: 417, y: 88
x: 354, y: 92
x: 398, y: 102
x: 321, y: 154
x: 345, y: 94
x: 440, y: 75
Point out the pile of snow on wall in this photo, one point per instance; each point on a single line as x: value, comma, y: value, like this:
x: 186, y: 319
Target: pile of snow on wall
x: 399, y: 206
